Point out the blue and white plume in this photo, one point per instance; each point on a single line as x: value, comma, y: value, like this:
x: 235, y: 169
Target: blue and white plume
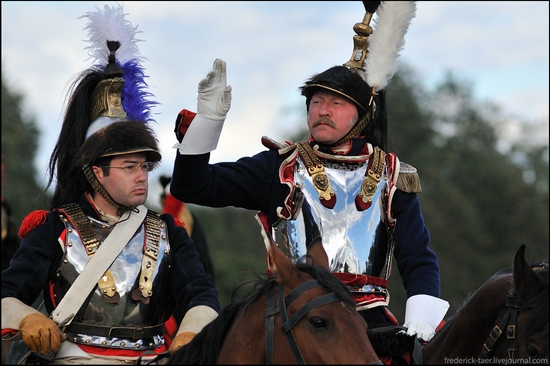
x: 111, y: 25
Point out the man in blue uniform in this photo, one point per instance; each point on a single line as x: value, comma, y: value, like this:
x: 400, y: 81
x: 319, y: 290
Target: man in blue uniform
x: 341, y: 185
x: 119, y: 281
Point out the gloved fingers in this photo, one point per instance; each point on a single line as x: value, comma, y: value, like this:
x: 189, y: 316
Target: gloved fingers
x: 422, y: 335
x: 219, y: 71
x: 56, y: 337
x: 40, y: 333
x: 40, y: 342
x: 47, y: 340
x: 215, y: 77
x: 214, y: 95
x: 181, y: 340
x: 426, y: 337
x: 205, y: 84
x: 224, y: 103
x: 33, y: 343
x: 226, y: 96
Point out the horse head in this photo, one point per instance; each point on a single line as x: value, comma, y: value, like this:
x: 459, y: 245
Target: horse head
x: 505, y: 320
x: 527, y: 305
x: 299, y: 314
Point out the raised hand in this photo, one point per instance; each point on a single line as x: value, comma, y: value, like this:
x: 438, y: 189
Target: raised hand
x: 214, y: 98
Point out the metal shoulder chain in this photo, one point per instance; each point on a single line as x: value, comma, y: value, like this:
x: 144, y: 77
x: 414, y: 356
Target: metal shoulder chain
x: 316, y: 171
x: 375, y: 168
x: 91, y: 242
x: 153, y: 225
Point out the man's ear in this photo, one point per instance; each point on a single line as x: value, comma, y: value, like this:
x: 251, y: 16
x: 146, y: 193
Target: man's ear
x: 97, y: 172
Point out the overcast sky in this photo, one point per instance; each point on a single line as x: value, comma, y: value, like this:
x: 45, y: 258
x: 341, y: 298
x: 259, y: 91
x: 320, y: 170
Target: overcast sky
x: 271, y: 48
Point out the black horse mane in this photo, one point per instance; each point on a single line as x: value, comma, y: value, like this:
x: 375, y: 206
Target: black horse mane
x: 541, y: 316
x: 206, y: 346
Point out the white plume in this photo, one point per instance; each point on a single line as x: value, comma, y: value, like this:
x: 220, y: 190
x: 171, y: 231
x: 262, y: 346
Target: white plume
x: 387, y: 39
x: 110, y: 25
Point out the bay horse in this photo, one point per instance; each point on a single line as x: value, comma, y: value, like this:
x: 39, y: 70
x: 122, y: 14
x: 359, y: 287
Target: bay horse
x: 301, y: 314
x: 504, y: 321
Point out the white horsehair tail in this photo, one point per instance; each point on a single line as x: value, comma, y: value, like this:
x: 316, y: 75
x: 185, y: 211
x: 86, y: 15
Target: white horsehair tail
x: 387, y: 39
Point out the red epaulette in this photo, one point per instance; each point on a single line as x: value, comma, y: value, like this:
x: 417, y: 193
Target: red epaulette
x: 178, y: 222
x: 172, y: 205
x: 32, y: 220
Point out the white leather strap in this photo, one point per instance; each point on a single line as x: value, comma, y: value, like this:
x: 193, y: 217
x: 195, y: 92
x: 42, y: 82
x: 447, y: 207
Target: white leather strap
x: 105, y: 255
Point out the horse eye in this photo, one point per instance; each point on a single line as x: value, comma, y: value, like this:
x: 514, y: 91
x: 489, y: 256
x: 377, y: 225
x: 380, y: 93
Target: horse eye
x: 318, y: 322
x: 531, y: 350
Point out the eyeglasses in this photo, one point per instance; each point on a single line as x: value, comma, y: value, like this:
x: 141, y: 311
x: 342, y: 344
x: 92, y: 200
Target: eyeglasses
x: 133, y: 167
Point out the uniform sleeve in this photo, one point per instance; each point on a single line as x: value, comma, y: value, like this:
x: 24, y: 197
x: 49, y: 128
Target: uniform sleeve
x: 191, y: 285
x: 34, y: 261
x: 246, y: 183
x: 417, y: 263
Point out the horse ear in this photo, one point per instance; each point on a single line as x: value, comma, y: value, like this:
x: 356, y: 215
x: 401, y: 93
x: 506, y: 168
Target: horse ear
x: 525, y: 278
x: 317, y: 255
x: 280, y: 264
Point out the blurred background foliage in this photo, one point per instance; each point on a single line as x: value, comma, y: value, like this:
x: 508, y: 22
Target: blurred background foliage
x: 485, y: 192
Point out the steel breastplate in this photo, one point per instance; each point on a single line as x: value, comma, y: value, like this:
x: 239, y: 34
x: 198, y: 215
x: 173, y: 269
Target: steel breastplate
x: 125, y: 271
x: 350, y: 237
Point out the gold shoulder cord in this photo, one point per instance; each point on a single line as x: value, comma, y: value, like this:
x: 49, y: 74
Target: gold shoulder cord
x: 316, y: 170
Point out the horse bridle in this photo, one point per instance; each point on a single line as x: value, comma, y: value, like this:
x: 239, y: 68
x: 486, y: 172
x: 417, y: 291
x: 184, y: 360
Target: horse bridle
x: 508, y: 323
x: 288, y: 324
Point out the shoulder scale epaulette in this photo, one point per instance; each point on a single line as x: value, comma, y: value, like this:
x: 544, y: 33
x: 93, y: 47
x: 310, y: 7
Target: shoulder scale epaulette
x: 272, y: 144
x: 408, y: 179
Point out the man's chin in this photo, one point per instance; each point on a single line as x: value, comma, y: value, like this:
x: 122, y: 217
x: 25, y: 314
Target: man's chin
x: 324, y: 140
x: 140, y: 200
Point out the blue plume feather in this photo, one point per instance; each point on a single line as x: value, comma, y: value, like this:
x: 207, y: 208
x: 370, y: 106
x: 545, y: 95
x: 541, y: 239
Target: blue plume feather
x: 134, y: 93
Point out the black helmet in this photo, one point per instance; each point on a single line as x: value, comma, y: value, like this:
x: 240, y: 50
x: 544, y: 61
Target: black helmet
x: 349, y: 83
x: 344, y: 81
x: 123, y: 137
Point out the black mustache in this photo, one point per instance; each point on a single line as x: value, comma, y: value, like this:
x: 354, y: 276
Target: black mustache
x: 325, y: 121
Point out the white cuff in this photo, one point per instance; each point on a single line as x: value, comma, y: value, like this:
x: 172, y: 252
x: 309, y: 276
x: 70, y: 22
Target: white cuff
x: 201, y: 137
x: 197, y: 318
x: 428, y: 308
x: 13, y: 311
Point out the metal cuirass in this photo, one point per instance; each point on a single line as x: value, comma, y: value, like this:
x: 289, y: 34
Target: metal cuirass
x: 125, y: 271
x: 351, y: 238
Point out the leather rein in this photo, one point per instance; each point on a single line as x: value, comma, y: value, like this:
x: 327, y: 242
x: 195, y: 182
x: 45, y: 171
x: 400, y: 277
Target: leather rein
x: 508, y: 325
x: 280, y: 308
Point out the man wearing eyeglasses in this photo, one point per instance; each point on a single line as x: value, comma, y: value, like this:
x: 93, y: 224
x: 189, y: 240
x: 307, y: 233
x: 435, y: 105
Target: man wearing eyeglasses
x: 126, y: 178
x: 120, y: 282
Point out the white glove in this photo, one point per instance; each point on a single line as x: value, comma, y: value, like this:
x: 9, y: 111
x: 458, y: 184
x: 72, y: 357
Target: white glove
x: 214, y: 99
x: 423, y: 314
x: 213, y: 103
